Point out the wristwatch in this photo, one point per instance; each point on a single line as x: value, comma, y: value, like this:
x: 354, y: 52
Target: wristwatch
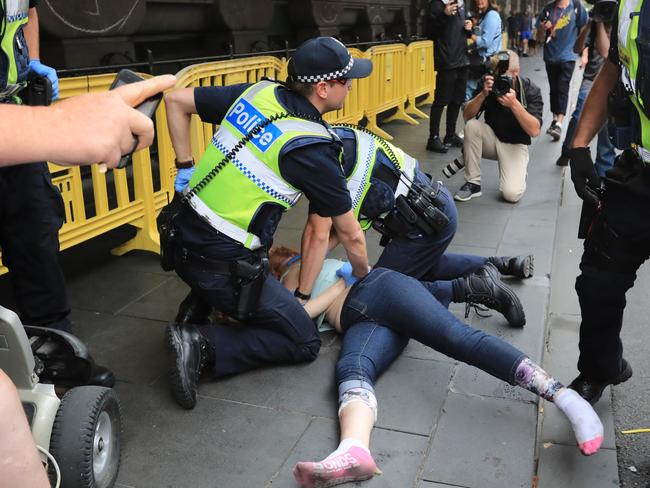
x: 189, y: 163
x: 302, y: 296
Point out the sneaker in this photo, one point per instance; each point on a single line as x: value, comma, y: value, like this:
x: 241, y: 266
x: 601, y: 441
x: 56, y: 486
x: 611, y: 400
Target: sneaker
x: 485, y: 287
x: 563, y: 160
x: 453, y: 140
x: 591, y: 390
x: 468, y: 191
x: 550, y: 127
x: 436, y: 145
x: 555, y: 131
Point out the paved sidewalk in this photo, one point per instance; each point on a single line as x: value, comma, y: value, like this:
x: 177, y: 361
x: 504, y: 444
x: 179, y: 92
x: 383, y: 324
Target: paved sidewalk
x: 440, y: 423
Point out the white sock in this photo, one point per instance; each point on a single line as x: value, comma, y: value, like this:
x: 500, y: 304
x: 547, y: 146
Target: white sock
x: 347, y: 444
x: 584, y: 420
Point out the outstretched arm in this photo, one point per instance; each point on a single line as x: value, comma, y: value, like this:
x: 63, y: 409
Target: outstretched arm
x: 318, y: 305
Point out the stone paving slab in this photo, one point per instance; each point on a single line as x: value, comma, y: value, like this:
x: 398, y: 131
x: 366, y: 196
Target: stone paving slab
x: 132, y: 347
x: 217, y: 444
x: 565, y: 467
x: 397, y: 454
x: 483, y: 443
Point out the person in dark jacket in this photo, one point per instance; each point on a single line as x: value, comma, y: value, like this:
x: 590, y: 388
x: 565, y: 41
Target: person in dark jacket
x: 448, y: 29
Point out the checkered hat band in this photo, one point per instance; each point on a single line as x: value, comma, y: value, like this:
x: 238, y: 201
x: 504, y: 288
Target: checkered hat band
x: 334, y: 75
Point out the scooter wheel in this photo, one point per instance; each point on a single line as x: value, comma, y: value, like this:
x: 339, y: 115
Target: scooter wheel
x: 86, y: 437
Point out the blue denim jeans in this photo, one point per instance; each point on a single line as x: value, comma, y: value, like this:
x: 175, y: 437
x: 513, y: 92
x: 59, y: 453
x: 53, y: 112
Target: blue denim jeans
x: 605, y: 153
x: 369, y: 348
x: 424, y: 257
x: 407, y: 306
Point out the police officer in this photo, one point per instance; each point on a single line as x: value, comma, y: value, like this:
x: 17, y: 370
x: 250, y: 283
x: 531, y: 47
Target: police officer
x: 618, y: 239
x: 31, y: 209
x: 382, y: 180
x: 232, y: 210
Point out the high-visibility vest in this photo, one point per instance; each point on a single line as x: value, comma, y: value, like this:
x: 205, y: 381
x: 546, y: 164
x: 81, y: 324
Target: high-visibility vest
x: 359, y: 179
x: 252, y: 179
x: 14, y: 53
x: 634, y: 55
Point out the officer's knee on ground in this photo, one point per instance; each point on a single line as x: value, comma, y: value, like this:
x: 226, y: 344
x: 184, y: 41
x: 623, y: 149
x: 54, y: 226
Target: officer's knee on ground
x: 309, y: 350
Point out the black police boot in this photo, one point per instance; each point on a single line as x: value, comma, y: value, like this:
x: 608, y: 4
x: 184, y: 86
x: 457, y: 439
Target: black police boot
x: 592, y: 390
x: 436, y: 145
x: 190, y: 352
x: 193, y: 310
x: 518, y: 266
x: 484, y: 287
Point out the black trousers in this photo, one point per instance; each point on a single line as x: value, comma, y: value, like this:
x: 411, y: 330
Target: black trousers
x: 559, y: 80
x: 450, y: 92
x: 31, y: 214
x: 617, y: 244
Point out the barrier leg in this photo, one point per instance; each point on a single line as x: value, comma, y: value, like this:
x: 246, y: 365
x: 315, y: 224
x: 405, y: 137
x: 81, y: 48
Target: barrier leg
x: 402, y: 115
x: 413, y: 110
x: 372, y: 126
x: 146, y: 238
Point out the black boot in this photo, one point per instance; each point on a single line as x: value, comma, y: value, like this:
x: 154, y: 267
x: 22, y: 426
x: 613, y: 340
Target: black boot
x: 190, y: 352
x: 484, y: 287
x: 591, y: 390
x: 436, y: 145
x: 193, y: 310
x: 519, y: 266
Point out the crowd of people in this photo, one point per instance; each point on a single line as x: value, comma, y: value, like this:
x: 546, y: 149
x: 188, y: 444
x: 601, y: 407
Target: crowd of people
x: 218, y: 232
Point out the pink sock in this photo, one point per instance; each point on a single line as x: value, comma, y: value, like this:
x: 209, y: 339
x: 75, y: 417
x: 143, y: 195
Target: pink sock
x: 350, y: 462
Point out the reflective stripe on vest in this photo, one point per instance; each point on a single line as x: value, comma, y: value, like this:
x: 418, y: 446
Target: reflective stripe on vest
x: 367, y: 149
x: 16, y: 16
x: 359, y: 180
x: 240, y: 189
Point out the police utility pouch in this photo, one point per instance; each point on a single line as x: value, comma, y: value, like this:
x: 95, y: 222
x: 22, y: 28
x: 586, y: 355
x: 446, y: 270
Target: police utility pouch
x: 168, y: 233
x: 38, y: 92
x: 248, y: 280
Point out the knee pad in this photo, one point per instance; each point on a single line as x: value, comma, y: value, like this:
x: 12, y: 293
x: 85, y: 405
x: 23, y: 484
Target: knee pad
x: 363, y: 395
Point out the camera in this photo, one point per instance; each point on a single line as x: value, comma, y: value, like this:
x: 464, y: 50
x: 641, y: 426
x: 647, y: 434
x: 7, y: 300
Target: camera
x: 498, y: 67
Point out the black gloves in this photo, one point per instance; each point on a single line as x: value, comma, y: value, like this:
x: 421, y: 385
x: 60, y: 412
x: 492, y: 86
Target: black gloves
x: 583, y: 174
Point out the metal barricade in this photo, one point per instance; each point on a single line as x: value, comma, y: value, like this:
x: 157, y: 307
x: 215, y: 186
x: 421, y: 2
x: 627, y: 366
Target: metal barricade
x: 387, y: 86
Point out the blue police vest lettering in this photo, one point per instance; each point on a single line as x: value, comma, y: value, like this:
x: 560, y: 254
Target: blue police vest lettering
x: 244, y: 117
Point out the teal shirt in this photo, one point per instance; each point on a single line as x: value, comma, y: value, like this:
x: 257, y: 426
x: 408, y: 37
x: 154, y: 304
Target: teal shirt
x: 326, y: 278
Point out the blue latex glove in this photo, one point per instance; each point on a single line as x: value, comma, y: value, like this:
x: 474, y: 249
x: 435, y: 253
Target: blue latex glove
x: 182, y: 179
x: 37, y: 67
x: 345, y: 272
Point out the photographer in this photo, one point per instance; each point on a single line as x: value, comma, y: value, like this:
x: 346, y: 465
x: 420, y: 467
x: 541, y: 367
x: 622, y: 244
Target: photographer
x: 449, y: 31
x: 513, y: 114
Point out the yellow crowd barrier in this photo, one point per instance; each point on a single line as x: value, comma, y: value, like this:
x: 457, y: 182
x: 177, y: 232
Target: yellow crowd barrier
x: 96, y: 203
x: 387, y: 86
x: 421, y: 76
x: 356, y: 101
